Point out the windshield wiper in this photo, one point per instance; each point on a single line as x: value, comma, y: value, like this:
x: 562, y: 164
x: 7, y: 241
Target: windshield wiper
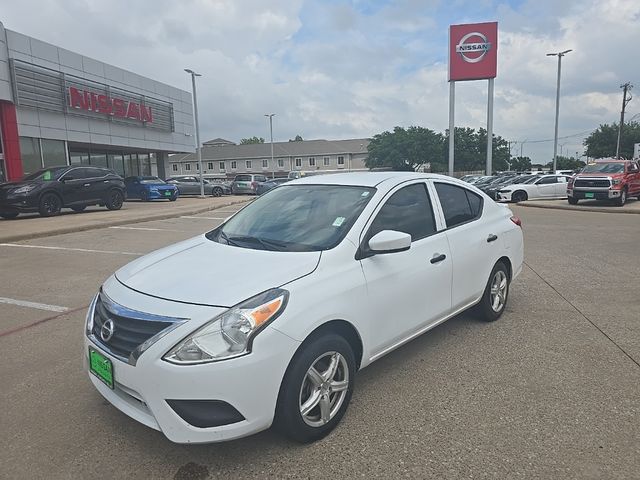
x: 227, y: 239
x: 265, y: 243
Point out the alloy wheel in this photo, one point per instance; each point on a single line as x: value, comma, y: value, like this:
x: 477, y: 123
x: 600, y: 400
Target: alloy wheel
x: 498, y: 291
x: 324, y: 389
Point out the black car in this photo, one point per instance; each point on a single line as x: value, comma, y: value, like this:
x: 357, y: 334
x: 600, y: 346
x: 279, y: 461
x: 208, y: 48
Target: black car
x: 271, y: 184
x: 49, y: 190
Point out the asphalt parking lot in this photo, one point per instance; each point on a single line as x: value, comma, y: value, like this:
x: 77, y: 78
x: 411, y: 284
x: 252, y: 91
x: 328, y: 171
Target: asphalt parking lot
x: 551, y: 390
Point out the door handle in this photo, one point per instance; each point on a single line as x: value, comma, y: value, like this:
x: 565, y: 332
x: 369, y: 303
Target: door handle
x: 86, y: 185
x: 437, y: 258
x: 492, y: 238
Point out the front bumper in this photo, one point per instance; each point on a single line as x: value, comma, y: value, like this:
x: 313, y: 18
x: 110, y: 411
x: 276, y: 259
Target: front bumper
x: 249, y: 384
x: 594, y: 193
x: 160, y: 194
x: 19, y: 203
x: 503, y: 196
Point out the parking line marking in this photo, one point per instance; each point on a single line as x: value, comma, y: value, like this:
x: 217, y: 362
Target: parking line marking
x: 204, y: 218
x: 87, y: 250
x: 36, y: 305
x: 147, y: 229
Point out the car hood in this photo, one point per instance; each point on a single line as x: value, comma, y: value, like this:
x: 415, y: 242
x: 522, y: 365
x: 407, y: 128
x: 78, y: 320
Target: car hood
x: 205, y: 272
x: 600, y: 174
x: 12, y: 185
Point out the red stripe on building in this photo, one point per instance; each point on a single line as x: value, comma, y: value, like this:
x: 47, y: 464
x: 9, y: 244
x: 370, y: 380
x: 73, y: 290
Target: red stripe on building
x: 11, y: 141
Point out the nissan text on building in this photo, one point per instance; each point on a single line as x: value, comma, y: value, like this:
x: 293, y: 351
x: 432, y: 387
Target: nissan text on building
x: 58, y: 107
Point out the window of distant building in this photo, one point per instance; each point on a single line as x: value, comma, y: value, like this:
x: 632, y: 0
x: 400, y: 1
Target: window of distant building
x: 281, y: 163
x: 222, y: 167
x: 298, y: 162
x: 234, y: 165
x: 187, y: 166
x: 248, y: 164
x: 265, y: 163
x: 341, y: 161
x: 326, y: 161
x: 210, y: 165
x: 312, y: 162
x: 174, y: 167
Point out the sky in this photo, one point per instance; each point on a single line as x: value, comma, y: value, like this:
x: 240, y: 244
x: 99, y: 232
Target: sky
x: 338, y: 69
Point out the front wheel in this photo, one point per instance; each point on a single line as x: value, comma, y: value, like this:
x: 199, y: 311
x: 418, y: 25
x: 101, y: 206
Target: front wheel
x: 217, y: 192
x: 496, y: 293
x: 316, y: 389
x: 115, y: 200
x: 519, y: 196
x: 50, y: 205
x: 622, y: 199
x: 572, y: 200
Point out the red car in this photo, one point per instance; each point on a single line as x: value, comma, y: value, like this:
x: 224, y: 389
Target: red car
x: 607, y: 179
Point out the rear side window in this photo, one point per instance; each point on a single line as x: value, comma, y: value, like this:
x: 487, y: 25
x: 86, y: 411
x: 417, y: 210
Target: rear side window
x: 458, y: 204
x: 409, y: 211
x: 260, y: 178
x: 243, y: 178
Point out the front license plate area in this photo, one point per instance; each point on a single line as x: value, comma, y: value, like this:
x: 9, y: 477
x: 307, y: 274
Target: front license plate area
x: 167, y: 193
x: 589, y: 195
x: 101, y: 367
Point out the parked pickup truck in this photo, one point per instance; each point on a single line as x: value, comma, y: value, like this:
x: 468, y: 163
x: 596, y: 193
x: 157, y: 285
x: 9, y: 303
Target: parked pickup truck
x: 609, y: 179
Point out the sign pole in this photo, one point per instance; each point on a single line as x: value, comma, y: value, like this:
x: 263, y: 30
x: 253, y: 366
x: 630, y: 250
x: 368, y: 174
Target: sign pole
x: 489, y: 128
x: 452, y: 110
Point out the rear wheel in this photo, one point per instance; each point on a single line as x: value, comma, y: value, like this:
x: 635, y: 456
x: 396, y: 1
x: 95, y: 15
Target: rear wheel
x: 316, y: 389
x: 496, y: 294
x: 78, y: 208
x: 622, y: 199
x: 9, y: 215
x: 572, y: 200
x: 519, y: 196
x: 114, y: 200
x: 50, y: 205
x: 217, y: 192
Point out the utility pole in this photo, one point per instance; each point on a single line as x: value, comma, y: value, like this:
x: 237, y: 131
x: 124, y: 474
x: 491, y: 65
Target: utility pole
x: 555, y: 137
x: 625, y: 100
x: 270, y: 115
x: 195, y: 115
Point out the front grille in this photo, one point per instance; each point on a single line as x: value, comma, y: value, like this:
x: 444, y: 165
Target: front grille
x: 591, y: 183
x: 129, y: 331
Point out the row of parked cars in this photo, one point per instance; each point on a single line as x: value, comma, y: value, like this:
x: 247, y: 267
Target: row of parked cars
x: 49, y: 190
x: 607, y: 179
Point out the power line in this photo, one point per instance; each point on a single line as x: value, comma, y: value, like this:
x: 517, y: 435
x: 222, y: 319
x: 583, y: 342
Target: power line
x: 564, y: 137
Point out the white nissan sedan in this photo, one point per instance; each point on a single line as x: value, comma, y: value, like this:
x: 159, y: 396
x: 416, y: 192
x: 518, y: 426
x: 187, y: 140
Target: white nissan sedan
x: 546, y: 186
x: 321, y: 277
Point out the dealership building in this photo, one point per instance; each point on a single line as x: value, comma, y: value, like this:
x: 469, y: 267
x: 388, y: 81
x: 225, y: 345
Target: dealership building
x: 222, y: 157
x: 58, y: 107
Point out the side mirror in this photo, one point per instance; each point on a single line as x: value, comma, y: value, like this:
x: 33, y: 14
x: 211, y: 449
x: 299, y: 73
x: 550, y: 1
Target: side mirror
x: 390, y: 241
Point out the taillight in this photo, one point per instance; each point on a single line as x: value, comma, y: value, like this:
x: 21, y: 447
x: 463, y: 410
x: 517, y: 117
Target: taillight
x: 516, y: 219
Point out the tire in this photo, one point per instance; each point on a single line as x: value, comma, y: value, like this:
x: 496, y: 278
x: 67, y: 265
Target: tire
x: 622, y: 199
x: 173, y: 198
x: 78, y: 208
x: 519, y: 196
x: 216, y: 192
x: 9, y: 215
x: 115, y: 199
x: 572, y: 200
x: 144, y: 196
x: 298, y: 388
x: 487, y: 309
x: 50, y: 205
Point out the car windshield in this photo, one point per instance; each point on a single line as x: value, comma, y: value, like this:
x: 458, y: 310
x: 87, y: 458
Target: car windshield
x: 46, y: 174
x: 604, y: 168
x: 151, y: 180
x: 295, y: 218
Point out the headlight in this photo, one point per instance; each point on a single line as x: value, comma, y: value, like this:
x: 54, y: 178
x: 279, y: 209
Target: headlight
x: 616, y: 181
x: 89, y: 319
x: 24, y: 189
x: 231, y: 333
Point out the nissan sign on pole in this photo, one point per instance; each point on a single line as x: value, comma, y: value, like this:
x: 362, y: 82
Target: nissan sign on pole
x: 473, y: 55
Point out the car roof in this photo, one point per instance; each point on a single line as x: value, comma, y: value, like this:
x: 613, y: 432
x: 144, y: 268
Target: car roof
x: 369, y: 179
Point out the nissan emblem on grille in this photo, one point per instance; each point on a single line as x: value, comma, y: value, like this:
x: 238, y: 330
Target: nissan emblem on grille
x: 106, y: 332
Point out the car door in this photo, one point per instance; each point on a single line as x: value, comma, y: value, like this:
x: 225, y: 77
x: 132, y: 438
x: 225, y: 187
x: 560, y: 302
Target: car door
x: 76, y: 186
x: 544, y: 188
x: 561, y: 186
x: 99, y: 184
x: 407, y: 290
x: 473, y: 242
x: 633, y: 173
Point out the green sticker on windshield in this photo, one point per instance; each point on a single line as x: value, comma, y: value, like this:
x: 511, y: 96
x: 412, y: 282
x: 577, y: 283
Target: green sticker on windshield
x: 46, y: 175
x: 338, y: 221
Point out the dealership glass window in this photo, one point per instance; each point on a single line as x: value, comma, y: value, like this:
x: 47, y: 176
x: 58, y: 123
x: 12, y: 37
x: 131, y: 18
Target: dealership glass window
x: 30, y: 153
x: 341, y: 161
x: 131, y: 165
x: 234, y: 165
x: 326, y: 161
x: 248, y: 164
x: 222, y: 167
x: 174, y: 167
x: 145, y: 164
x: 116, y: 163
x: 298, y: 162
x: 54, y: 152
x: 281, y: 163
x: 265, y: 163
x: 187, y: 167
x: 79, y: 158
x: 98, y: 159
x: 312, y: 161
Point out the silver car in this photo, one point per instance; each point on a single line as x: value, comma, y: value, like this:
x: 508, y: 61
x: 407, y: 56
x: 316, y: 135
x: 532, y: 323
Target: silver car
x: 247, y: 183
x: 191, y: 186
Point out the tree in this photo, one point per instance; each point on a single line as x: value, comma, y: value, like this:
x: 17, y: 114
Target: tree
x: 406, y: 149
x: 470, y: 150
x: 297, y: 139
x: 602, y: 142
x: 246, y: 141
x: 566, y: 163
x: 520, y: 164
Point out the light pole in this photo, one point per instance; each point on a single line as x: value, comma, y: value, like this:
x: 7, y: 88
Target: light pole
x: 195, y: 114
x: 271, y: 115
x: 555, y: 137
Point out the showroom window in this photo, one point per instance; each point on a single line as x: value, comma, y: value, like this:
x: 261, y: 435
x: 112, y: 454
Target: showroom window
x: 98, y: 159
x: 174, y: 167
x: 222, y: 167
x: 187, y: 167
x: 248, y: 164
x: 234, y: 165
x: 326, y: 161
x: 341, y: 161
x: 298, y: 162
x: 116, y: 163
x: 312, y: 162
x: 30, y: 153
x: 54, y: 152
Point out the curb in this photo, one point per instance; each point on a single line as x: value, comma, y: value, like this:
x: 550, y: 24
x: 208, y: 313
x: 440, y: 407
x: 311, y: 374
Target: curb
x: 114, y: 223
x: 581, y: 209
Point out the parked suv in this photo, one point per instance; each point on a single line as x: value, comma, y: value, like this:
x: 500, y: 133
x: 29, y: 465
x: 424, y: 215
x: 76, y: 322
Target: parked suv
x: 191, y: 186
x: 49, y: 190
x: 247, y: 184
x: 606, y: 180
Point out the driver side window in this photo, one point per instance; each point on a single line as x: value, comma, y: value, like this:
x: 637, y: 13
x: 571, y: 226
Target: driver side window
x: 409, y: 211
